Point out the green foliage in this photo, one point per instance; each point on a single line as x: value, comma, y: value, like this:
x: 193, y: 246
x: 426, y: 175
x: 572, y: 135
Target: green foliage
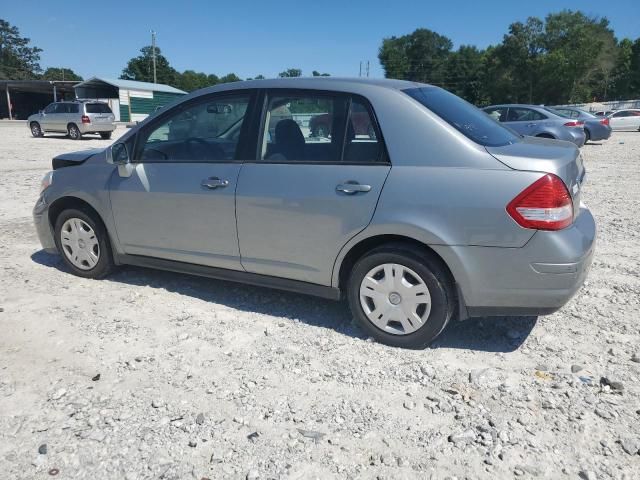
x: 291, y: 72
x: 18, y: 60
x: 316, y: 73
x: 140, y: 68
x: 421, y: 56
x: 568, y: 57
x: 55, y: 73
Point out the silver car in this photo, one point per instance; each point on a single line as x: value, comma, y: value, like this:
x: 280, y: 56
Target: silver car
x: 535, y: 121
x: 595, y: 128
x: 441, y: 214
x: 73, y: 118
x: 627, y: 119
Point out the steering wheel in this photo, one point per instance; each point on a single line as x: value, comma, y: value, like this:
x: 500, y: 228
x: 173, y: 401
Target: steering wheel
x: 205, y: 150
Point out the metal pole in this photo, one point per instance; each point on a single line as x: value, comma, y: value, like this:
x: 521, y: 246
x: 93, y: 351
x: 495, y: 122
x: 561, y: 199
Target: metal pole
x: 8, y: 101
x: 360, y: 74
x: 367, y: 68
x: 55, y: 93
x: 153, y: 55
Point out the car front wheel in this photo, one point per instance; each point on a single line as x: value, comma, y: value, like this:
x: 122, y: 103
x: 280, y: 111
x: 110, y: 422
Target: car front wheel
x: 401, y: 295
x: 83, y: 243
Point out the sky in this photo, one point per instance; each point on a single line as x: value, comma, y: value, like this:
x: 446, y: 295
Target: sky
x: 267, y: 37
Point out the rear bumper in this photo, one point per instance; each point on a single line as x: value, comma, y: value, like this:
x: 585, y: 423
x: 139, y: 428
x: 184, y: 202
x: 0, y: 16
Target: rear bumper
x: 599, y: 132
x: 577, y: 136
x: 536, y: 279
x: 96, y: 127
x: 43, y: 228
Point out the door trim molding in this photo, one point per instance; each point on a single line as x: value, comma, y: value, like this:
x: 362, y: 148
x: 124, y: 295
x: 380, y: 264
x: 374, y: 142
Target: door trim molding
x: 256, y: 279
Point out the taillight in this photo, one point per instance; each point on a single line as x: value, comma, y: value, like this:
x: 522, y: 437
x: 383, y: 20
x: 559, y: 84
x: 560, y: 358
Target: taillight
x: 543, y: 205
x: 86, y: 119
x: 604, y: 121
x: 574, y: 124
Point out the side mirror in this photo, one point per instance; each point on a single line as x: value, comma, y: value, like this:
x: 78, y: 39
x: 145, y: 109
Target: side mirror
x: 117, y: 154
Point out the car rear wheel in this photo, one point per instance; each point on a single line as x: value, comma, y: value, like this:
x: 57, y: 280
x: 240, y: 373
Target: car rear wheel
x: 401, y: 295
x: 587, y: 135
x: 545, y: 135
x: 83, y: 243
x: 36, y: 131
x: 74, y: 132
x: 105, y: 135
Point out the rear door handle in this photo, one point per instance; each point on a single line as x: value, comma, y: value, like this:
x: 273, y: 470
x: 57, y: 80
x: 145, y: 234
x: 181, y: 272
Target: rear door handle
x: 351, y: 187
x: 213, y: 183
x: 531, y: 125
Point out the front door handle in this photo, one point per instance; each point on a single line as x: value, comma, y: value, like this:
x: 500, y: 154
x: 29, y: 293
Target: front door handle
x: 351, y: 188
x: 214, y: 182
x: 532, y: 125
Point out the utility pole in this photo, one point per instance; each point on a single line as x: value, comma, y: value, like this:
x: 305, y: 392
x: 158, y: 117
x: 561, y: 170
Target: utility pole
x: 153, y: 55
x: 360, y: 74
x: 367, y: 68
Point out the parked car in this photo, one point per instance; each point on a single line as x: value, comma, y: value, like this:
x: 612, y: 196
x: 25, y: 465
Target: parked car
x: 603, y: 113
x: 73, y: 118
x: 536, y: 121
x: 595, y: 128
x: 443, y: 214
x: 627, y: 119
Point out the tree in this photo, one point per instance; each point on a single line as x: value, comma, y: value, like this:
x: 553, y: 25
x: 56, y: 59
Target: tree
x: 290, y: 72
x: 420, y: 56
x: 190, y: 80
x: 140, y: 68
x: 18, y: 61
x: 464, y: 74
x: 59, y: 73
x: 316, y: 73
x: 230, y: 77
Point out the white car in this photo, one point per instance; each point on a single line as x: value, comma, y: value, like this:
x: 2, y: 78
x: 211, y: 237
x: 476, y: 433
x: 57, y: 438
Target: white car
x: 628, y: 119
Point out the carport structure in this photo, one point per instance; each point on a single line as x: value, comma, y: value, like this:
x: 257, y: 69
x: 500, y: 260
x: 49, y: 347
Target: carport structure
x: 130, y: 100
x: 21, y: 98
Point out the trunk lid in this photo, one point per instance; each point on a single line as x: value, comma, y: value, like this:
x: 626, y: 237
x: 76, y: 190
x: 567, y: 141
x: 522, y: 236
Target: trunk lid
x: 548, y: 156
x: 99, y: 113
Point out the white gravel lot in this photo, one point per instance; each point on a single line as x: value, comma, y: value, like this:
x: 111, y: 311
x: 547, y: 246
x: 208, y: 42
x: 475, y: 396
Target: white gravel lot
x: 205, y: 379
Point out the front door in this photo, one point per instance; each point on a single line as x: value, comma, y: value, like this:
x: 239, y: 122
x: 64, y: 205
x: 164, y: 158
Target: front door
x: 179, y: 203
x: 312, y: 189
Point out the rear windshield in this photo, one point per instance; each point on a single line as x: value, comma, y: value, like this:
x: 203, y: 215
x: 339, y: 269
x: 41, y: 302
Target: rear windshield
x: 464, y: 117
x: 98, y: 108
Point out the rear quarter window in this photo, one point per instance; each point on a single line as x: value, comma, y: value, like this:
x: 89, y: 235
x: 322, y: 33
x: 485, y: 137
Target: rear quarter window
x: 97, y: 108
x: 464, y: 117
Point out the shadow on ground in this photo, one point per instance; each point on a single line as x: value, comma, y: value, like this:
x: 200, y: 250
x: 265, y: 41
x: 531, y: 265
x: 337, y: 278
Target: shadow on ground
x: 496, y: 334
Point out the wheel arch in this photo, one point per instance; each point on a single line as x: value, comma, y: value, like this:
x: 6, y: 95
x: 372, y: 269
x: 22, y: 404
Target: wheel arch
x: 345, y: 263
x: 545, y: 135
x: 356, y: 251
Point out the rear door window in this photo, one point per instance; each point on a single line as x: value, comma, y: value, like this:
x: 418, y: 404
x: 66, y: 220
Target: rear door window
x: 362, y: 140
x: 497, y: 113
x: 520, y: 114
x: 304, y: 127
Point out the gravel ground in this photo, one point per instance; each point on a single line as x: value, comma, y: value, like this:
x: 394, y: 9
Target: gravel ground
x: 157, y: 375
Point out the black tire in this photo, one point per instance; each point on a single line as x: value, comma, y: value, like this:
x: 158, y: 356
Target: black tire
x: 105, y: 135
x: 432, y: 272
x: 587, y: 135
x: 36, y: 130
x: 546, y: 135
x: 105, y: 264
x: 74, y: 132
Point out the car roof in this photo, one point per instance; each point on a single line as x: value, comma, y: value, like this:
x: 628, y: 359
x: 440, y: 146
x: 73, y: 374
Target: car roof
x: 354, y: 85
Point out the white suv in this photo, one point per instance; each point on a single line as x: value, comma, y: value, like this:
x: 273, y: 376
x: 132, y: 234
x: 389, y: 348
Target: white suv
x: 74, y: 118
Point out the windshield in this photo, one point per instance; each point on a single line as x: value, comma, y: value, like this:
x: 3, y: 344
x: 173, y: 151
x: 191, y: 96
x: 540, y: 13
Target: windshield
x: 464, y: 117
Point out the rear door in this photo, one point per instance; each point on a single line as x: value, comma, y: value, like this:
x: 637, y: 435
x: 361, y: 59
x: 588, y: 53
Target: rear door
x: 306, y: 195
x: 179, y: 202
